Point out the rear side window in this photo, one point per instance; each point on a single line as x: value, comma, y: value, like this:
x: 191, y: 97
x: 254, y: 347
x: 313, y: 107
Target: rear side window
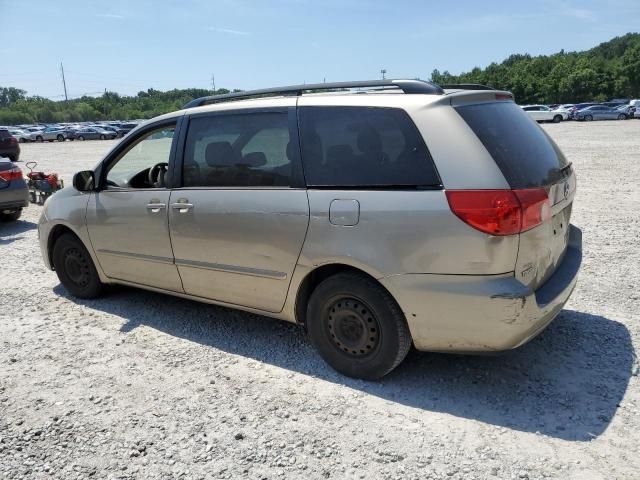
x: 238, y: 150
x: 363, y: 147
x: 525, y: 154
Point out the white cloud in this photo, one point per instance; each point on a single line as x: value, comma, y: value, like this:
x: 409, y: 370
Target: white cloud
x: 229, y: 31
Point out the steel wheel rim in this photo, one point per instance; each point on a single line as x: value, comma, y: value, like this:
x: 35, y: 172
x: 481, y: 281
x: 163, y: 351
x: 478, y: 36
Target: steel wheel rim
x: 352, y: 326
x: 76, y: 267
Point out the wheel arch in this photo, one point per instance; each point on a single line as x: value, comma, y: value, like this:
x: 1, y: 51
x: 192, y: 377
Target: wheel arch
x: 56, y: 232
x: 313, y: 278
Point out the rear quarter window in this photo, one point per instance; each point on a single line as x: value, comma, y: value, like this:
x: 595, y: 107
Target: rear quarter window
x: 363, y: 147
x: 523, y: 151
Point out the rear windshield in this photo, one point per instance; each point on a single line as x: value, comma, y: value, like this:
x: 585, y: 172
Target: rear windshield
x: 523, y: 151
x: 363, y: 147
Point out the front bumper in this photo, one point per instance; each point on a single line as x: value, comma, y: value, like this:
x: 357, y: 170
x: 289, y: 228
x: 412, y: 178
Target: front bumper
x: 475, y: 313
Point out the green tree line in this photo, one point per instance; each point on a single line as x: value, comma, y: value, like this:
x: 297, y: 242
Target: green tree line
x: 17, y: 108
x: 612, y: 69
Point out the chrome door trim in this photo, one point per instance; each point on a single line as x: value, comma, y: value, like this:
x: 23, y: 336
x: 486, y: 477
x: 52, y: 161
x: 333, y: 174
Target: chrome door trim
x: 254, y: 272
x: 140, y: 256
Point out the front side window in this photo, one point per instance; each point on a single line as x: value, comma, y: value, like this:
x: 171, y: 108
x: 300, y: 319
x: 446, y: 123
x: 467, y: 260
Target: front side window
x: 363, y: 147
x: 144, y: 164
x: 238, y: 150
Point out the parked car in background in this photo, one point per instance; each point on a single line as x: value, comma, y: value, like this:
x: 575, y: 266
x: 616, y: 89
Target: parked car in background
x: 70, y: 132
x: 330, y: 224
x: 93, y: 133
x: 542, y: 113
x: 128, y: 126
x: 20, y: 135
x: 9, y: 146
x: 626, y: 109
x: 49, y: 134
x: 565, y: 107
x: 106, y: 134
x: 599, y: 112
x: 119, y: 132
x: 14, y: 194
x: 579, y: 106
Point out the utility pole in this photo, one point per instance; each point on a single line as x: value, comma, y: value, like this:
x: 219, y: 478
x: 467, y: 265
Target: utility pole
x: 213, y: 83
x: 64, y: 83
x: 383, y: 72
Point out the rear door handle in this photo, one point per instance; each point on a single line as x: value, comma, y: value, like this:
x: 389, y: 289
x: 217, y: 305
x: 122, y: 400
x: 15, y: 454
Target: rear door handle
x: 182, y: 207
x: 156, y: 207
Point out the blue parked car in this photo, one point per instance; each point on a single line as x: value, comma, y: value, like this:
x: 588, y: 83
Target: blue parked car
x: 599, y: 112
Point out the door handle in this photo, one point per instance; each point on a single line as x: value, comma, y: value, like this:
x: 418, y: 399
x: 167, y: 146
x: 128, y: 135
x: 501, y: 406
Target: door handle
x: 156, y: 207
x: 182, y: 207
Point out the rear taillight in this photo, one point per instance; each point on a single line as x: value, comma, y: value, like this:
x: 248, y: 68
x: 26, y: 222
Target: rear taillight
x: 500, y: 212
x: 536, y: 207
x: 504, y: 96
x: 14, y: 174
x: 13, y: 140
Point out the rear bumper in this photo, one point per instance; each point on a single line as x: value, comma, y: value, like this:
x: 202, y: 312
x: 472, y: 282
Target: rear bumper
x: 490, y: 313
x: 14, y: 197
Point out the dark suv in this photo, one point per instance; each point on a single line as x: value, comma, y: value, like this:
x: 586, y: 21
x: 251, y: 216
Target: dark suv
x: 9, y: 146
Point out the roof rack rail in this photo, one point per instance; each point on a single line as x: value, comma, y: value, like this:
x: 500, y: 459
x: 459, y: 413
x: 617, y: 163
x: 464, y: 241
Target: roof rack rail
x: 466, y: 86
x: 407, y: 86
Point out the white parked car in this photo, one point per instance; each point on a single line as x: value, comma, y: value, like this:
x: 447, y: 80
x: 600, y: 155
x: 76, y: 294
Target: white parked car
x: 20, y: 135
x: 542, y: 113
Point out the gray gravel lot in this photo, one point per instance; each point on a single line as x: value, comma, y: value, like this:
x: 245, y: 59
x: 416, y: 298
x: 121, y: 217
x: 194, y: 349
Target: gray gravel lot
x: 139, y: 385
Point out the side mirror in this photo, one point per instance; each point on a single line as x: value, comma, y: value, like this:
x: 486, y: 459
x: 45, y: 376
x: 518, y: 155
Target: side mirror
x: 84, y: 181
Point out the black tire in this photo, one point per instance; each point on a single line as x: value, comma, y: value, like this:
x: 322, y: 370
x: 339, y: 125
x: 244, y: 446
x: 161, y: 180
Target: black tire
x: 75, y: 268
x: 357, y: 327
x: 13, y: 158
x: 102, y: 137
x: 622, y: 116
x: 39, y: 139
x: 557, y: 119
x: 11, y: 217
x: 60, y: 138
x: 588, y: 118
x: 22, y: 140
x: 81, y: 138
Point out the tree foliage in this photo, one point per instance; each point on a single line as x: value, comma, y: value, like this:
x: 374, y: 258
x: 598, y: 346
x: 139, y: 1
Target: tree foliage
x: 610, y: 70
x: 16, y: 107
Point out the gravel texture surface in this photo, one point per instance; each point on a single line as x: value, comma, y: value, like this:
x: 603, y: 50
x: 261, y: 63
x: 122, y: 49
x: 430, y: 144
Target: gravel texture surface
x: 140, y: 385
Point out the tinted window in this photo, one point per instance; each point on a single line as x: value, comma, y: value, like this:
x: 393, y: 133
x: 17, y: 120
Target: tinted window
x: 361, y: 146
x: 243, y: 150
x: 525, y: 154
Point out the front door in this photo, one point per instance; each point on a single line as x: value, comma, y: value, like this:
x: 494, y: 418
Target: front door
x: 239, y: 220
x: 127, y: 218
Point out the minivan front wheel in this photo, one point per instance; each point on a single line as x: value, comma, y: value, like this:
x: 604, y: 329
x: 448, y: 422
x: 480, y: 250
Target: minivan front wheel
x: 357, y: 327
x: 75, y: 268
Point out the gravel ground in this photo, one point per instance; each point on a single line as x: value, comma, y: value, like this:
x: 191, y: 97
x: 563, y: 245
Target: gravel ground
x: 139, y: 385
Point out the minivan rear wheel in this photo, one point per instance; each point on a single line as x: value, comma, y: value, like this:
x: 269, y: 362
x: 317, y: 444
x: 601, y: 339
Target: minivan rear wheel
x: 75, y: 268
x: 357, y: 327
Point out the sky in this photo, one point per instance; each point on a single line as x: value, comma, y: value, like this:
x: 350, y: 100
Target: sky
x: 132, y: 45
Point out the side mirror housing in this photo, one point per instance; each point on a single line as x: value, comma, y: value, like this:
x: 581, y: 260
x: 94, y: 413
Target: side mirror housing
x: 84, y: 181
